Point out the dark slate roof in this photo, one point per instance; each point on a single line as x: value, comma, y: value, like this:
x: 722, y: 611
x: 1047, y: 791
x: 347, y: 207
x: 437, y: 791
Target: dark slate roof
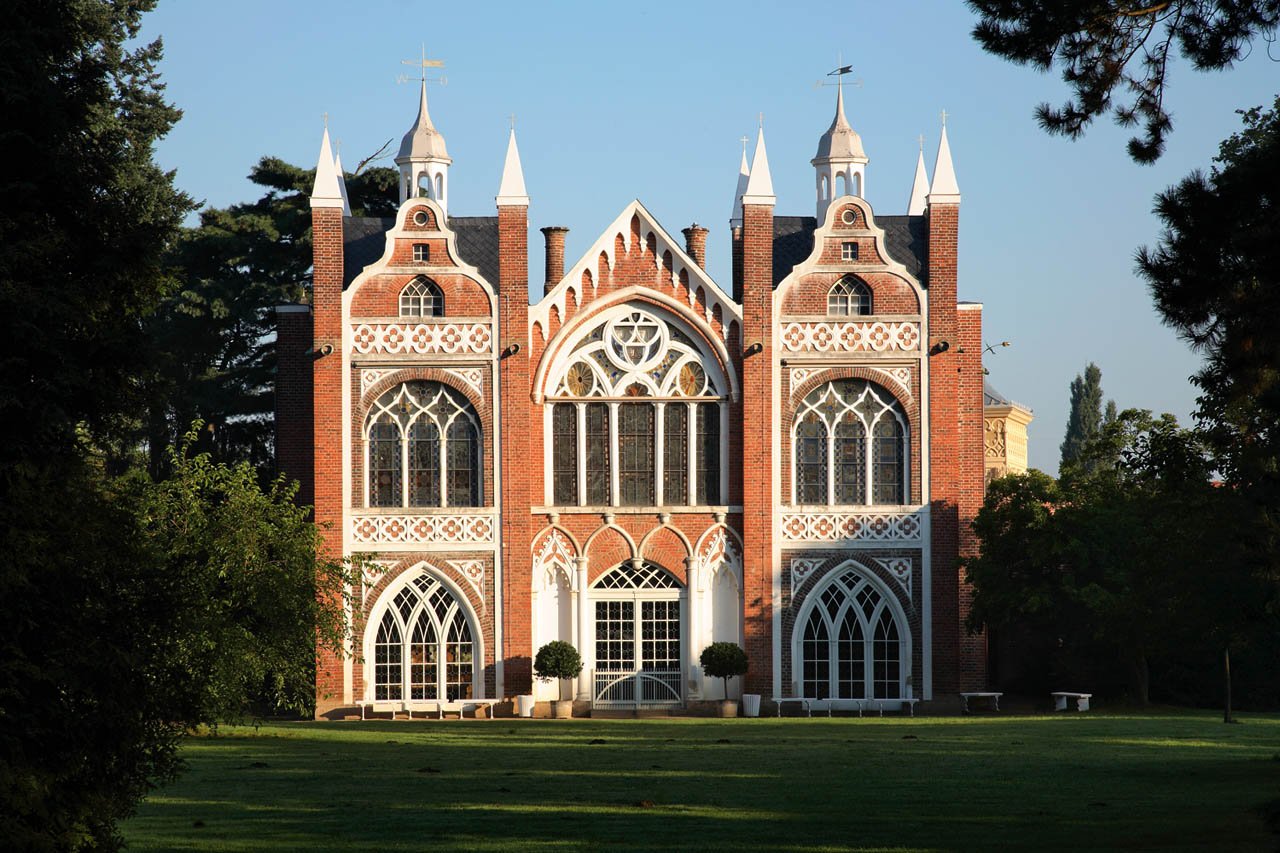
x: 992, y: 397
x: 792, y: 243
x: 906, y: 241
x: 478, y: 244
x: 364, y: 240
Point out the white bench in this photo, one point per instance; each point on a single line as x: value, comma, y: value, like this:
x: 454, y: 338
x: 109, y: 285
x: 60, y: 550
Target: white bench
x: 804, y: 702
x: 994, y: 697
x: 1060, y: 700
x: 423, y: 705
x: 879, y: 704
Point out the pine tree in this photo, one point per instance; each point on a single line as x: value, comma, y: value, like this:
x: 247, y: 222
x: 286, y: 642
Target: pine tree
x: 1085, y: 420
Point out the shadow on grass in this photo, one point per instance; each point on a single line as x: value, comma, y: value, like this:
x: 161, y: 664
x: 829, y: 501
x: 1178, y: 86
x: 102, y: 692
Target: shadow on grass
x: 749, y: 784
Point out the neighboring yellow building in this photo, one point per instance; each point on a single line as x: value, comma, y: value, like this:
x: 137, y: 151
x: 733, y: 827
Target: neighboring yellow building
x: 1005, y: 427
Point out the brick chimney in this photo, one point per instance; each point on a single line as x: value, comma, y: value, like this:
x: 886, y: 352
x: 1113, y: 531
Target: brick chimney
x: 695, y: 244
x: 555, y: 255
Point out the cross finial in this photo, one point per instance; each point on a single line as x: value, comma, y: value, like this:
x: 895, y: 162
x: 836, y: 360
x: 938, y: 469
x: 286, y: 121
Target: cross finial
x: 744, y: 140
x: 922, y: 143
x: 326, y: 121
x: 512, y: 119
x: 944, y: 118
x: 761, y: 121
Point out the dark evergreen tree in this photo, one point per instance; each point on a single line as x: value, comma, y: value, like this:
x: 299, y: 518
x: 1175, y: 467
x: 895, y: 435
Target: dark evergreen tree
x: 213, y: 340
x: 1107, y: 45
x: 1085, y: 418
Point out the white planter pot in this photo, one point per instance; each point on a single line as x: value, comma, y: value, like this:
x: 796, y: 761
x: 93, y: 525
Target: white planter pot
x: 750, y: 704
x: 524, y: 705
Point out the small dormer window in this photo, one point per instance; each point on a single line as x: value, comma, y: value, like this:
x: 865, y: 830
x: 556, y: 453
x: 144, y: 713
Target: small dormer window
x: 421, y: 298
x: 849, y: 297
x: 421, y: 253
x: 848, y: 251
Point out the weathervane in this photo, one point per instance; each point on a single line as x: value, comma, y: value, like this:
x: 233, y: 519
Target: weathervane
x: 838, y: 73
x: 423, y: 64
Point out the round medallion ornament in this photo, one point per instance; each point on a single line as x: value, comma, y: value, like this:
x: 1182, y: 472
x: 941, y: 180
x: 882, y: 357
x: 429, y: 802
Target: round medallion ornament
x: 848, y: 217
x: 579, y: 380
x: 691, y: 380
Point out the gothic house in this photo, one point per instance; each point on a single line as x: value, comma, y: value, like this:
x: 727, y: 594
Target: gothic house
x: 644, y: 460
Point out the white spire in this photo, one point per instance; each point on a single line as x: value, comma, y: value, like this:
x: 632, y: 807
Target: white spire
x: 326, y: 192
x: 342, y: 180
x: 944, y: 188
x: 511, y: 191
x: 744, y: 175
x: 759, y: 189
x: 919, y: 187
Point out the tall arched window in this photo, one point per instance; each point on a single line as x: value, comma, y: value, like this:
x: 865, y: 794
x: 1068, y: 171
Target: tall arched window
x: 849, y: 297
x: 649, y: 402
x: 421, y: 298
x: 424, y: 448
x: 849, y: 643
x: 423, y: 646
x: 839, y: 427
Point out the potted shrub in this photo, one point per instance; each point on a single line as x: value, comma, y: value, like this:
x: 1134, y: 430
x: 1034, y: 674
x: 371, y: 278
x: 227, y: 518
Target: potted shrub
x: 554, y: 661
x: 724, y: 660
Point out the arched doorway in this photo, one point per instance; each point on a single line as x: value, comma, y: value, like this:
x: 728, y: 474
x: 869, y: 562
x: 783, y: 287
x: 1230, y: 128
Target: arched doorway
x: 639, y: 614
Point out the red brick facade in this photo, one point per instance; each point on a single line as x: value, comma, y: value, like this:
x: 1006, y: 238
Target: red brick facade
x: 752, y: 563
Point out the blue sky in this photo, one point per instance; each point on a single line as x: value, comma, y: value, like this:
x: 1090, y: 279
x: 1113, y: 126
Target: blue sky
x: 648, y: 101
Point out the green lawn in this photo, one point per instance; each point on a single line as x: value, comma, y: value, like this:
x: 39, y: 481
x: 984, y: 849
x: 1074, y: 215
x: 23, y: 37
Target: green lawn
x: 1067, y: 782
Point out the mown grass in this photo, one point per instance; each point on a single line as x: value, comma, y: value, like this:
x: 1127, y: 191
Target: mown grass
x: 1067, y: 782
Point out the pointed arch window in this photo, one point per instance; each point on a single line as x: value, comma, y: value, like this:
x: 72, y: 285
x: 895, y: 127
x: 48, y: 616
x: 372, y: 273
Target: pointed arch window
x: 849, y: 297
x: 423, y: 647
x: 421, y: 297
x: 849, y: 446
x: 424, y: 448
x: 849, y: 644
x: 650, y: 404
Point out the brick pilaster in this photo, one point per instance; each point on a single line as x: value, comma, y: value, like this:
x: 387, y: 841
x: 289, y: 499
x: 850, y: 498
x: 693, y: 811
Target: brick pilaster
x: 326, y: 304
x: 757, y: 460
x: 971, y: 486
x: 944, y: 449
x: 521, y: 448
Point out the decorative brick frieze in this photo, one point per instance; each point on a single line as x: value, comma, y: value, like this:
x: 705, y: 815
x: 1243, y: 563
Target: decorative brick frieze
x: 421, y: 339
x: 454, y: 530
x: 862, y: 336
x: 854, y: 528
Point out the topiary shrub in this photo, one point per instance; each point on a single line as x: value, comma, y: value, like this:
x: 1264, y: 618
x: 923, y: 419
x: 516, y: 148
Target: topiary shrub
x: 723, y: 660
x: 557, y: 659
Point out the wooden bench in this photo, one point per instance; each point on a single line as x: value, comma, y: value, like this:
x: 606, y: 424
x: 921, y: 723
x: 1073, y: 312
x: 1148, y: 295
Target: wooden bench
x: 423, y: 705
x: 1060, y: 700
x: 994, y: 697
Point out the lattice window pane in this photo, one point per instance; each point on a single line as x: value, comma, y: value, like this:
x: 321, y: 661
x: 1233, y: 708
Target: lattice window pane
x: 888, y: 452
x: 675, y: 454
x: 887, y: 660
x: 851, y: 676
x: 815, y: 657
x: 424, y: 464
x: 627, y: 576
x: 615, y: 635
x: 708, y: 454
x: 459, y: 659
x: 849, y: 296
x: 421, y: 297
x: 635, y: 454
x: 463, y: 452
x: 848, y: 251
x: 850, y: 458
x: 660, y: 635
x: 564, y: 454
x: 811, y: 461
x: 387, y: 674
x: 421, y: 253
x: 424, y: 664
x: 384, y: 463
x: 597, y: 439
